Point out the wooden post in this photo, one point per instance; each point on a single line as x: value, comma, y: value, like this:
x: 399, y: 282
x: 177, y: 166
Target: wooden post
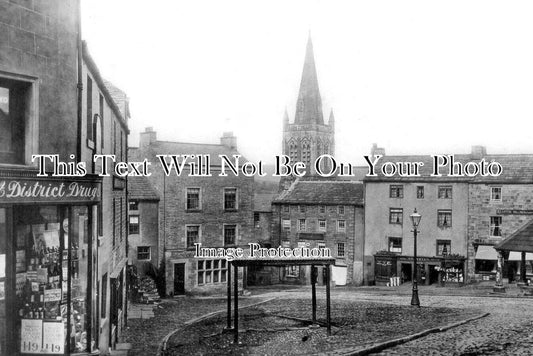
x: 228, y: 276
x: 236, y: 305
x: 328, y: 299
x: 523, y: 268
x: 313, y: 291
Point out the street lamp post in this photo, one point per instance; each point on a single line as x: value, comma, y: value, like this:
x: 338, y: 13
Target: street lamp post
x: 415, y: 220
x: 443, y: 273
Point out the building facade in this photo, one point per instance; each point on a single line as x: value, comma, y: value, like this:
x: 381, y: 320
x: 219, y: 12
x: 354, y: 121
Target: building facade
x: 216, y: 211
x: 54, y: 232
x: 322, y: 213
x: 462, y: 218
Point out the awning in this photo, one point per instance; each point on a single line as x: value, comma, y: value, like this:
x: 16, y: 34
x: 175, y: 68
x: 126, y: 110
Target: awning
x: 485, y: 252
x: 520, y: 240
x: 517, y: 256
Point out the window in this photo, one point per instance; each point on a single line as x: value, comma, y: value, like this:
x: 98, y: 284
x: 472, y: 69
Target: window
x: 496, y: 226
x: 286, y: 208
x: 101, y: 102
x: 306, y: 153
x: 193, y: 235
x: 114, y: 221
x: 395, y: 216
x: 230, y: 198
x: 340, y: 249
x: 495, y: 193
x: 301, y: 208
x: 301, y: 224
x: 89, y: 109
x: 341, y: 209
x: 420, y: 192
x: 292, y: 271
x: 322, y: 209
x: 133, y: 205
x: 143, y: 253
x: 395, y: 244
x: 230, y: 234
x: 444, y: 246
x: 341, y: 225
x: 212, y: 271
x: 445, y: 192
x: 444, y: 218
x: 257, y: 219
x: 103, y: 305
x: 293, y: 151
x: 134, y: 224
x: 321, y: 225
x: 193, y: 199
x: 17, y: 133
x: 286, y: 225
x: 396, y: 191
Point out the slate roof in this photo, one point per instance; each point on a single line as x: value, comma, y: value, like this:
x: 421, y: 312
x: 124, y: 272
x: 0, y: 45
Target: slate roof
x: 322, y: 192
x: 520, y: 240
x: 517, y: 168
x: 140, y: 188
x: 263, y: 201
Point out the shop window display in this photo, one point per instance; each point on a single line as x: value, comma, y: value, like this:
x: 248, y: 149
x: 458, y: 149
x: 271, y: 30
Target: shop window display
x: 51, y: 283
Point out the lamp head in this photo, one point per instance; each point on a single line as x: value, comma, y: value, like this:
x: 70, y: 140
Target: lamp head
x: 415, y: 218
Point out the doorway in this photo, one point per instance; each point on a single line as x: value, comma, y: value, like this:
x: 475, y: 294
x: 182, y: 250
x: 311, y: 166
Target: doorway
x: 407, y: 272
x: 179, y: 278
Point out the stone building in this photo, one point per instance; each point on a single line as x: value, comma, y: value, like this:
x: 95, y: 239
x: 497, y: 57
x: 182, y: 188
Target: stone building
x: 322, y: 213
x: 62, y: 244
x: 216, y: 211
x: 143, y: 225
x: 462, y: 218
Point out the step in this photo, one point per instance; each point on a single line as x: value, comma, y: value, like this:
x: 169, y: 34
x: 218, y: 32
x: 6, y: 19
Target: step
x: 123, y: 346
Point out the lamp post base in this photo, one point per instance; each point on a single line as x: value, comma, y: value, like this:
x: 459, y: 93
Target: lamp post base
x: 414, y: 298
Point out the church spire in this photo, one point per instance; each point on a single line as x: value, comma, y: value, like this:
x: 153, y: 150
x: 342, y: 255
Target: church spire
x: 309, y: 104
x: 331, y: 120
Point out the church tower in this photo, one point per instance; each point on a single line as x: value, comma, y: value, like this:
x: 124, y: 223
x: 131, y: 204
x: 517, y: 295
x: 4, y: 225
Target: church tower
x: 308, y: 136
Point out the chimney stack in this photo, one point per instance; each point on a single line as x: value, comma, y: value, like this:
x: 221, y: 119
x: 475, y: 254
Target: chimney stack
x: 148, y: 137
x: 229, y: 140
x: 478, y: 152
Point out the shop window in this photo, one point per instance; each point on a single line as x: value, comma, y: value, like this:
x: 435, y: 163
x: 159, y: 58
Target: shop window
x: 292, y: 271
x: 3, y: 257
x: 143, y: 253
x: 396, y: 191
x: 193, y: 235
x: 495, y: 194
x: 286, y: 225
x: 420, y: 192
x: 301, y: 225
x: 341, y: 209
x: 230, y: 198
x: 212, y: 271
x: 230, y: 235
x: 103, y: 305
x: 133, y: 205
x: 341, y: 225
x: 445, y: 192
x: 340, y: 249
x: 485, y: 266
x: 495, y: 226
x: 395, y: 244
x: 322, y: 209
x: 193, y: 199
x: 444, y: 246
x: 322, y: 225
x: 134, y: 224
x: 396, y: 216
x: 18, y: 117
x: 444, y: 218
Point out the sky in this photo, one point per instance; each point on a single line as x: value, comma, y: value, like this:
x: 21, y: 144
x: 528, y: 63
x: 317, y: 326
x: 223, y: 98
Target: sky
x: 415, y: 77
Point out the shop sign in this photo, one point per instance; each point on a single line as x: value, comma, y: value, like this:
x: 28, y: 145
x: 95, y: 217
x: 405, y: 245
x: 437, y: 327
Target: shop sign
x: 31, y: 335
x: 514, y: 211
x: 52, y: 295
x: 47, y: 191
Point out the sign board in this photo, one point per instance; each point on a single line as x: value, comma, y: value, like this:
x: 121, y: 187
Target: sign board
x: 514, y: 211
x: 31, y: 336
x: 49, y: 190
x: 53, y: 338
x: 52, y: 295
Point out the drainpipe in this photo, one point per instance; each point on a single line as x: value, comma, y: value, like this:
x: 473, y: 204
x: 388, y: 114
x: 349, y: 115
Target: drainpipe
x: 80, y: 86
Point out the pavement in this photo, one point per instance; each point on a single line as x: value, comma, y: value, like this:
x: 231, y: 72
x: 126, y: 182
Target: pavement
x: 141, y: 311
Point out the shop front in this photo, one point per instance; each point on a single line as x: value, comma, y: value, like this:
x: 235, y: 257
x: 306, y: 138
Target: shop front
x: 431, y: 270
x: 48, y: 264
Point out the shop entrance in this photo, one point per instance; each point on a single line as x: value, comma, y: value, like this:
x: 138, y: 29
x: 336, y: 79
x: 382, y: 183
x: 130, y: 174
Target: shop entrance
x: 179, y: 278
x: 407, y: 272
